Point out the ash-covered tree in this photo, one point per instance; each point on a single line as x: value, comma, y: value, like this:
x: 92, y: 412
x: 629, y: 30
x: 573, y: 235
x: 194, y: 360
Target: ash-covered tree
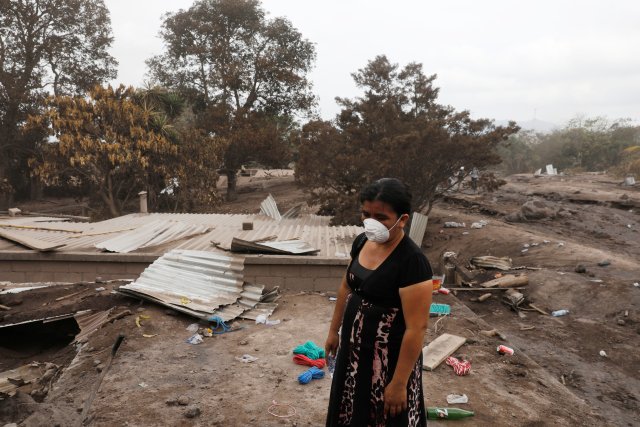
x: 119, y: 142
x: 395, y: 129
x: 46, y: 46
x: 244, y: 74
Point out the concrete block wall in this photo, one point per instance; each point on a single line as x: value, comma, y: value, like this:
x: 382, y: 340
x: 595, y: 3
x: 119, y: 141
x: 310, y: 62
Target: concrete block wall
x: 299, y: 274
x: 67, y: 271
x: 290, y: 273
x: 21, y: 267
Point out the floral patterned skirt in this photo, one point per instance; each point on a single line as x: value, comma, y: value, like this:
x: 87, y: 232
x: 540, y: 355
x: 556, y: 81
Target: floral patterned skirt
x: 367, y: 355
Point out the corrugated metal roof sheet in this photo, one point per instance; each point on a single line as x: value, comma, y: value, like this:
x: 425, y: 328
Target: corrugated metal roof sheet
x: 418, y: 227
x: 269, y: 208
x: 313, y: 229
x: 153, y: 234
x: 90, y: 322
x: 198, y: 283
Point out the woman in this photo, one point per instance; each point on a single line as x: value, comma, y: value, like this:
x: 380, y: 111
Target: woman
x: 383, y: 308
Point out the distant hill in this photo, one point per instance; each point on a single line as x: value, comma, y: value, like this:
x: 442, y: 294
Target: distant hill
x: 535, y: 125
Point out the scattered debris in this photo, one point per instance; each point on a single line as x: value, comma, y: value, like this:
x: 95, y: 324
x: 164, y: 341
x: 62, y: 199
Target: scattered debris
x: 246, y: 358
x: 513, y: 299
x: 439, y: 309
x: 503, y: 263
x: 559, y: 313
x: 603, y: 353
x: 310, y: 349
x: 301, y: 359
x: 539, y: 310
x: 264, y: 319
x: 494, y: 333
x: 457, y: 398
x: 91, y: 322
x: 460, y: 367
x: 195, y: 339
x: 503, y: 349
x: 447, y: 413
x: 26, y: 378
x: 312, y: 373
x: 484, y: 297
x: 140, y: 318
x: 451, y: 224
x: 439, y: 349
x: 507, y: 281
x: 479, y: 224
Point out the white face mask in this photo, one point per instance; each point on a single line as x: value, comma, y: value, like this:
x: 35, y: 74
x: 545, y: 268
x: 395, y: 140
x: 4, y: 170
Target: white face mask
x: 377, y: 231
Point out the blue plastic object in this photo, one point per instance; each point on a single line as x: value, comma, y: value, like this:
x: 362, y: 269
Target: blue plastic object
x: 440, y: 309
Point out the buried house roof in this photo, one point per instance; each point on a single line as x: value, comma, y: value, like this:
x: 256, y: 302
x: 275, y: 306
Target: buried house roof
x: 157, y: 233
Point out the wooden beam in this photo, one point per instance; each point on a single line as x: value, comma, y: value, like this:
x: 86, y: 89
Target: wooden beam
x: 507, y: 281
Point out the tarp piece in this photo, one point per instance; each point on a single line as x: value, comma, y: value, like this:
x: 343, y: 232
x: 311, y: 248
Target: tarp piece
x: 283, y: 247
x: 269, y: 208
x: 153, y: 234
x: 199, y: 283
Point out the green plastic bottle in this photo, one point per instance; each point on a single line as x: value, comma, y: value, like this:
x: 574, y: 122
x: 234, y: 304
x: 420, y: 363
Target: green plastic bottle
x: 447, y: 413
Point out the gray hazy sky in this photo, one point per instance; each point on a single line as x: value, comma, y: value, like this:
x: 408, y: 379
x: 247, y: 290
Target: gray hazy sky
x: 499, y: 59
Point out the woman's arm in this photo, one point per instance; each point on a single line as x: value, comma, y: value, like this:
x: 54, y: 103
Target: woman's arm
x: 416, y: 300
x: 331, y: 345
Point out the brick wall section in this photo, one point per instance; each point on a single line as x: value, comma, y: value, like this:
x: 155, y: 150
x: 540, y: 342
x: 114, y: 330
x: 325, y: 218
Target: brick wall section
x: 290, y: 273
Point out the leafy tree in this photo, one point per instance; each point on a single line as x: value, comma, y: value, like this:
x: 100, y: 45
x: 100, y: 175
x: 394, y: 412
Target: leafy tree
x: 244, y: 74
x: 630, y: 163
x: 395, y: 129
x: 45, y: 45
x: 109, y: 140
x: 588, y: 144
x: 518, y: 152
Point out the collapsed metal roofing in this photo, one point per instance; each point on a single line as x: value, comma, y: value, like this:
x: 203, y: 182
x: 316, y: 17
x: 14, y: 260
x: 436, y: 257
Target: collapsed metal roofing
x: 199, y: 283
x: 152, y: 234
x: 331, y: 242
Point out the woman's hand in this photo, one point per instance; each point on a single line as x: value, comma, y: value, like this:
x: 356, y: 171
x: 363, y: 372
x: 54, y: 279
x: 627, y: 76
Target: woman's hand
x: 331, y: 344
x: 395, y: 398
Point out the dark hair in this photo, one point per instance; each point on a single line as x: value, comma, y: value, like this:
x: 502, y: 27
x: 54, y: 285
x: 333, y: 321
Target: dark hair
x: 391, y: 191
